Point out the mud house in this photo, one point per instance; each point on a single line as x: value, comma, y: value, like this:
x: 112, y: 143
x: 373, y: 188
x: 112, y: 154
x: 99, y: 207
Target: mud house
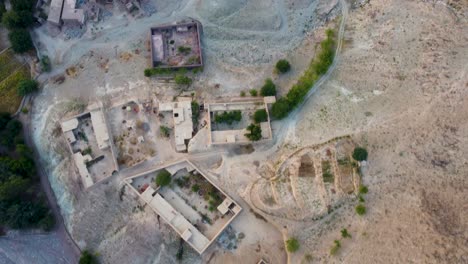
x: 88, y: 139
x: 184, y: 205
x: 176, y: 45
x: 65, y: 12
x: 182, y: 116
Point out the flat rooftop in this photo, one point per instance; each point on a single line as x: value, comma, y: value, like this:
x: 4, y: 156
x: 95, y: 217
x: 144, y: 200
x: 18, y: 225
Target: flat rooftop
x: 192, y: 205
x: 176, y: 45
x: 182, y: 116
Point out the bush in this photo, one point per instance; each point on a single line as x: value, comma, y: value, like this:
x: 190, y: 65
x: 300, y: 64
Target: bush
x: 20, y: 40
x: 182, y: 80
x: 47, y: 223
x: 292, y: 245
x: 363, y: 189
x: 2, y: 9
x: 45, y: 64
x: 253, y: 92
x: 268, y: 89
x: 344, y: 233
x: 242, y: 94
x: 165, y: 131
x: 163, y: 178
x: 26, y: 87
x: 88, y: 258
x: 195, y: 188
x: 360, y: 209
x: 260, y: 115
x: 184, y: 50
x: 335, y: 248
x: 283, y: 66
x: 360, y: 154
x: 195, y: 112
x: 228, y: 117
x: 255, y: 132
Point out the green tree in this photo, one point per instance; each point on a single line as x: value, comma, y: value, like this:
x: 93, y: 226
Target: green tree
x: 228, y: 117
x: 20, y: 5
x: 283, y: 66
x: 17, y: 19
x: 268, y: 89
x: 360, y: 209
x: 281, y: 108
x: 20, y: 40
x: 13, y: 187
x: 88, y: 258
x: 253, y: 92
x: 163, y: 178
x: 2, y: 9
x: 165, y: 131
x: 255, y: 132
x: 26, y: 87
x: 260, y: 115
x: 360, y: 154
x: 4, y: 119
x: 292, y: 245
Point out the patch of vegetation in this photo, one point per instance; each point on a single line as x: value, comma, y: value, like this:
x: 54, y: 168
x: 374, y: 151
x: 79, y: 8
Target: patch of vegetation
x: 361, y: 199
x: 164, y: 131
x: 363, y: 189
x: 184, y: 50
x: 22, y: 204
x: 308, y: 258
x: 360, y: 154
x: 88, y: 258
x: 2, y: 9
x: 282, y: 66
x: 317, y: 68
x: 253, y: 92
x: 360, y: 209
x: 326, y: 172
x: 228, y: 117
x: 255, y: 132
x: 163, y: 178
x: 26, y: 87
x: 182, y: 80
x: 195, y: 113
x: 292, y: 245
x: 163, y: 71
x: 260, y: 115
x: 345, y: 233
x: 87, y: 151
x: 242, y: 93
x: 268, y: 88
x: 335, y: 248
x: 45, y: 63
x: 195, y: 188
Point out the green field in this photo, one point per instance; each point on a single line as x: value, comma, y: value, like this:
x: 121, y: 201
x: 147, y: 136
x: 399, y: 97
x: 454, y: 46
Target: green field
x: 11, y: 73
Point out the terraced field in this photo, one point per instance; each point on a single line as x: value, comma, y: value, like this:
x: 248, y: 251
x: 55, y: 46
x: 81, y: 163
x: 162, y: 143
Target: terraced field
x: 12, y: 71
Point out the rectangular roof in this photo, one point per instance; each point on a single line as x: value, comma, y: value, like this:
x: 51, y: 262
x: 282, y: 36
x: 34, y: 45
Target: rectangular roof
x: 100, y: 129
x: 55, y: 11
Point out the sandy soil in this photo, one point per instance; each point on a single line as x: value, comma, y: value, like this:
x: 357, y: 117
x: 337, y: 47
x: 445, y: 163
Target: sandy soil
x: 400, y: 89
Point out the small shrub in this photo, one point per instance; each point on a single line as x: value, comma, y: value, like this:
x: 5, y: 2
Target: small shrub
x: 195, y: 188
x: 163, y: 178
x: 24, y: 110
x: 255, y: 132
x: 292, y: 245
x: 195, y: 112
x: 184, y: 50
x: 281, y: 108
x: 283, y: 66
x: 45, y: 64
x: 335, y: 248
x: 164, y: 131
x: 47, y: 223
x: 260, y: 115
x: 268, y: 89
x: 363, y: 189
x: 360, y: 154
x: 26, y: 87
x: 242, y: 94
x: 361, y: 199
x: 88, y: 258
x: 360, y: 209
x: 344, y: 233
x: 182, y: 80
x: 253, y: 92
x: 87, y: 151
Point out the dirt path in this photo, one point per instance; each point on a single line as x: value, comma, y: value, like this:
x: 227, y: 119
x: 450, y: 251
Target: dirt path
x: 70, y: 248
